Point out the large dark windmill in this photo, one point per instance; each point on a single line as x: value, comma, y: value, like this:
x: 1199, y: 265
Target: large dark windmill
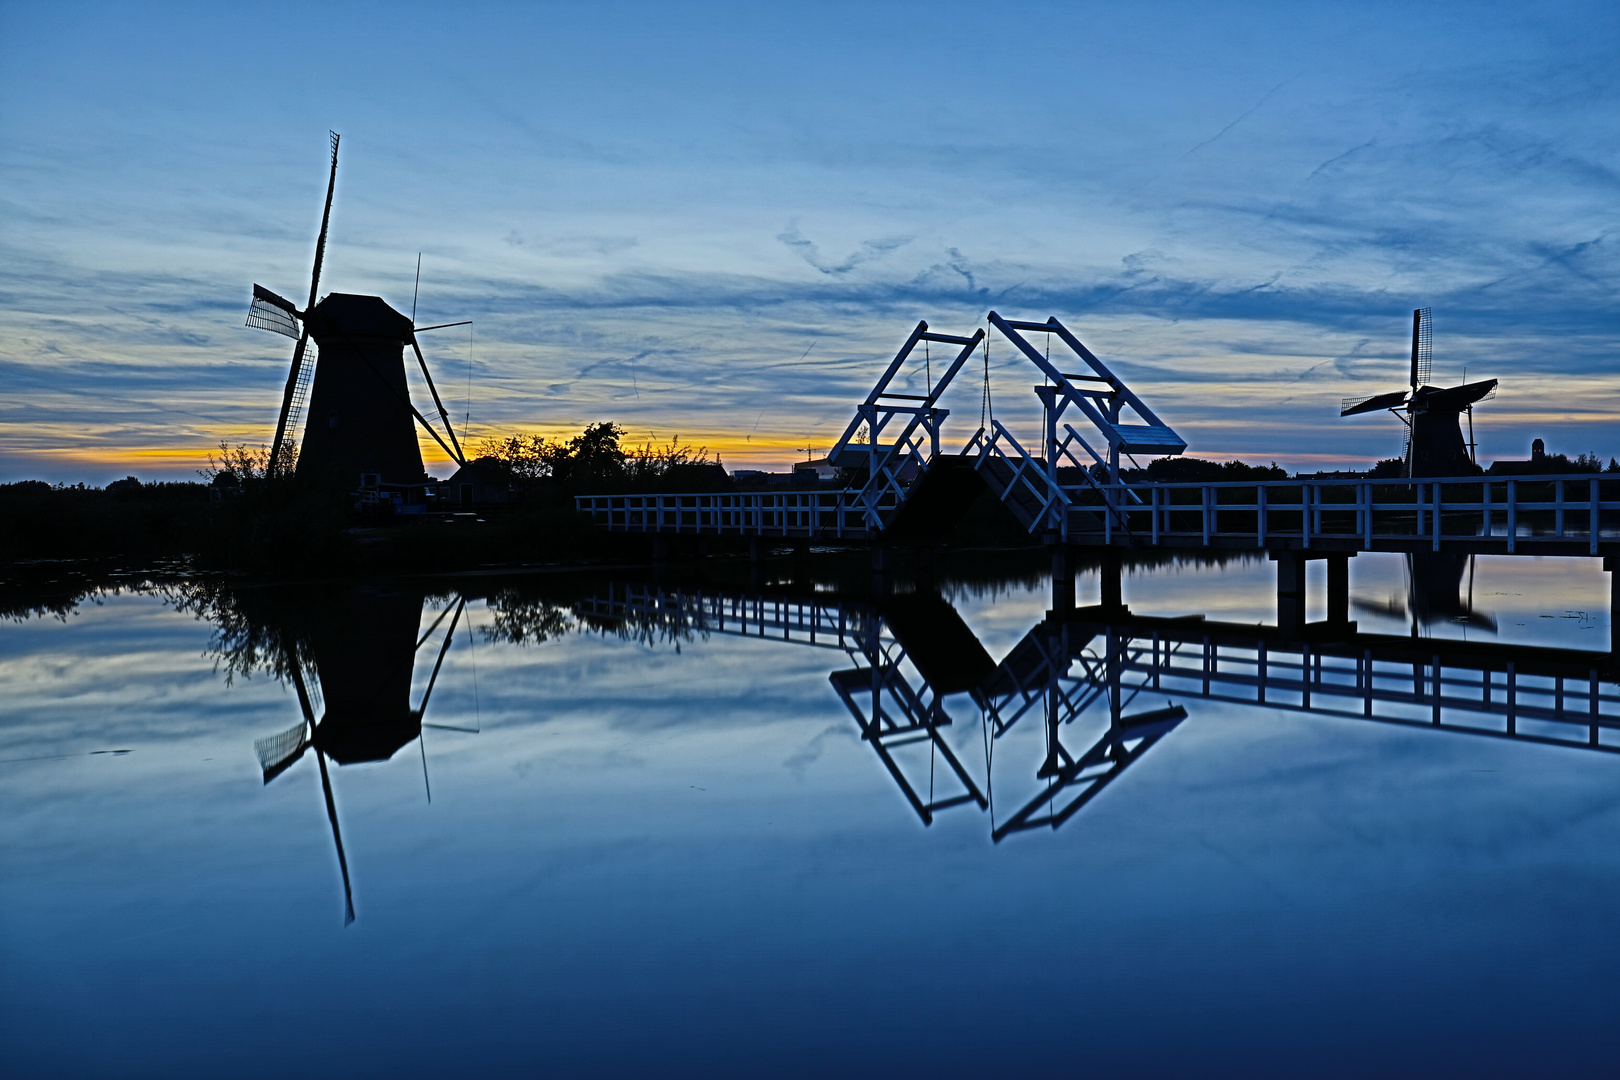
x: 362, y: 651
x: 1432, y: 414
x: 359, y: 406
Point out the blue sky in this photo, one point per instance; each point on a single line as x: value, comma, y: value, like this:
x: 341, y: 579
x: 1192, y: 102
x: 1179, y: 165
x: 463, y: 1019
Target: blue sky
x: 652, y: 212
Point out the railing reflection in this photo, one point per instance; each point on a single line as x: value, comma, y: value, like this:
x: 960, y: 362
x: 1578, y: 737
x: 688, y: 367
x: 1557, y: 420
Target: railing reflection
x: 1114, y: 674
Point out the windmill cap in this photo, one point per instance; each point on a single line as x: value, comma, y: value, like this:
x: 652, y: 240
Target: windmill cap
x: 359, y: 316
x: 1453, y: 397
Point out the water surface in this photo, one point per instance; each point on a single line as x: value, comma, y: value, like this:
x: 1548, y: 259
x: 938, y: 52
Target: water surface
x: 661, y: 846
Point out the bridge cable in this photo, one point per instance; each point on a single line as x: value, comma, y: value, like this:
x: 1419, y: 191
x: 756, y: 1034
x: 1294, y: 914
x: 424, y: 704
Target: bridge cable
x: 986, y: 406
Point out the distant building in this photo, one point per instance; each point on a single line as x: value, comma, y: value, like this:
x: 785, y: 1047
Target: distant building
x: 1538, y: 462
x: 477, y: 483
x: 820, y: 467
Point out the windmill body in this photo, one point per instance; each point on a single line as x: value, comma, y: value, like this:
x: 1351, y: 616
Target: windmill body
x: 359, y: 419
x: 362, y: 648
x: 1433, y: 414
x: 1438, y: 447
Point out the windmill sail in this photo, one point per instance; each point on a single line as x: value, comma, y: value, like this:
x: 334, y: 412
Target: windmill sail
x: 274, y: 313
x: 1355, y: 406
x: 297, y: 380
x: 1422, y: 347
x: 277, y: 753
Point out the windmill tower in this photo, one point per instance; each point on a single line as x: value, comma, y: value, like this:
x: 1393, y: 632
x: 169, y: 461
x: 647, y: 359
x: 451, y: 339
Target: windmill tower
x: 362, y: 653
x: 1432, y: 414
x: 359, y: 422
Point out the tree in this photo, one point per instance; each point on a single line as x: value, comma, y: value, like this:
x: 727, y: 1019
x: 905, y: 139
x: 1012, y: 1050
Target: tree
x: 594, y: 455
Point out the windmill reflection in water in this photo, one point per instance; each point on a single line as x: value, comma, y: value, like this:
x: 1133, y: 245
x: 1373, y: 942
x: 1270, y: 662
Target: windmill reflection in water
x: 1105, y: 684
x: 363, y: 652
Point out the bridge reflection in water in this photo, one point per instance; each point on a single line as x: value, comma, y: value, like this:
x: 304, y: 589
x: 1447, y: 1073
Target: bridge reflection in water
x: 1104, y: 684
x: 1116, y: 675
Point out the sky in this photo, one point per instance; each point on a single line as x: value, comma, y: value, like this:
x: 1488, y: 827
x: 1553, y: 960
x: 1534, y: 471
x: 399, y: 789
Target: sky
x: 717, y: 223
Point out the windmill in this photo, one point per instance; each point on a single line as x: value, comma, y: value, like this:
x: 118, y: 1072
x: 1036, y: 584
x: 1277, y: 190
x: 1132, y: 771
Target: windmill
x: 364, y: 652
x: 1432, y: 414
x: 349, y: 368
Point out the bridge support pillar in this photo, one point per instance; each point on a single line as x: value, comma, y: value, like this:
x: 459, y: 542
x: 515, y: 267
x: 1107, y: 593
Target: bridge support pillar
x: 1112, y: 598
x: 1062, y: 577
x: 1290, y: 591
x: 660, y: 548
x: 924, y: 562
x: 756, y: 550
x: 1338, y: 588
x: 882, y: 568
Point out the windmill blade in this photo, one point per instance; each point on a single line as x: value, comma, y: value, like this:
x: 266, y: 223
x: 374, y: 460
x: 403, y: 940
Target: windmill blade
x: 421, y: 710
x: 274, y: 313
x: 1422, y: 347
x: 421, y: 742
x: 326, y: 218
x: 303, y: 696
x: 421, y: 640
x: 287, y: 394
x: 291, y: 388
x: 1478, y: 619
x: 278, y: 753
x: 1376, y: 403
x: 337, y: 839
x: 1394, y: 606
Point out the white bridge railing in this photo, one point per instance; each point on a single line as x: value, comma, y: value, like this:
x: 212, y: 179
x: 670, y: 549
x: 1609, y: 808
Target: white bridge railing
x: 1568, y: 509
x: 828, y: 514
x: 1571, y: 511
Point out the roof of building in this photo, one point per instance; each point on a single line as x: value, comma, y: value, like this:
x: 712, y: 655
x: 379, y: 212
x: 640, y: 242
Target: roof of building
x: 359, y: 316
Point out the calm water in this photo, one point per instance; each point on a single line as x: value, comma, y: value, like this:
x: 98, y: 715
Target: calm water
x: 657, y: 841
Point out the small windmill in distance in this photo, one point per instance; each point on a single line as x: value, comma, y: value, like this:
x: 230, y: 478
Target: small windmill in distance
x: 1434, y: 442
x: 360, y: 412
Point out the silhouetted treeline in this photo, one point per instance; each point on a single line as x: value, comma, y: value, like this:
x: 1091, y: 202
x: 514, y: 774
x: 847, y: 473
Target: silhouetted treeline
x: 1192, y: 470
x: 596, y: 461
x: 297, y: 526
